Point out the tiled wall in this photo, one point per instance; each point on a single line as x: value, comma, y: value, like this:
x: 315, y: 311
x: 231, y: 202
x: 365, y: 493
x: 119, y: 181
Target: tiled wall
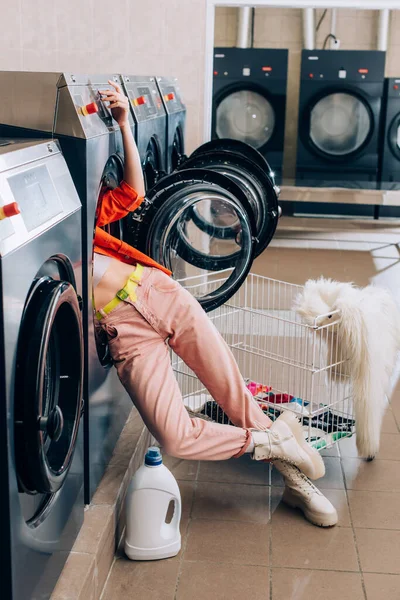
x: 149, y: 37
x: 282, y: 28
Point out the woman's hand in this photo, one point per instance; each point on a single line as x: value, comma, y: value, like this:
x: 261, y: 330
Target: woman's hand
x: 118, y: 103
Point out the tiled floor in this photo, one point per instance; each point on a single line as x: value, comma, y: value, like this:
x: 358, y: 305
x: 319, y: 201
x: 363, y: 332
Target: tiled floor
x: 239, y: 541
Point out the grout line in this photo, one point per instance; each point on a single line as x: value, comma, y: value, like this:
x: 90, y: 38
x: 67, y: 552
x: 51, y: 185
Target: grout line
x: 353, y: 528
x: 270, y: 530
x: 186, y: 536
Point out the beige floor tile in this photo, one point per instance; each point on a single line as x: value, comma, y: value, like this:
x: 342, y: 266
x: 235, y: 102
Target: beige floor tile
x: 382, y: 587
x: 187, y: 492
x: 228, y: 542
x: 377, y: 510
x: 185, y: 470
x: 378, y: 475
x: 222, y: 582
x: 231, y: 502
x: 379, y: 550
x: 236, y: 470
x: 155, y: 580
x: 299, y: 544
x: 337, y: 497
x: 389, y: 424
x: 299, y: 584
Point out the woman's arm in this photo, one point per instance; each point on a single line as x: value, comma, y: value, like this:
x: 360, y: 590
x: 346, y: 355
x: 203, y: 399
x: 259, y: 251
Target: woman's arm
x: 128, y: 196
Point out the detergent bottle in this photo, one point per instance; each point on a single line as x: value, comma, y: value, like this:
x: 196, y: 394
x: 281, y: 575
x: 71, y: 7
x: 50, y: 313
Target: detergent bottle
x: 150, y: 533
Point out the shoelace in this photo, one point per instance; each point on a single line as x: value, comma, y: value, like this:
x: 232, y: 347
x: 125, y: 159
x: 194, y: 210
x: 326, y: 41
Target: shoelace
x: 299, y: 479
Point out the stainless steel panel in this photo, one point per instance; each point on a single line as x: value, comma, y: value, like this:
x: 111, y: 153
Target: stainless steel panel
x: 61, y: 196
x: 52, y: 102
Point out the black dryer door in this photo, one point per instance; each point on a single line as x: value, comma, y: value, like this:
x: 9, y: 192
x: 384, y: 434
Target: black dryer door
x: 246, y: 115
x: 394, y: 136
x: 48, y: 385
x: 340, y: 124
x: 212, y: 266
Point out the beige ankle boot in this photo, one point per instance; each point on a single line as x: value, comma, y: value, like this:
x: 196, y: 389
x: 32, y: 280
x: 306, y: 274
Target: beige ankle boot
x: 301, y: 493
x: 285, y: 441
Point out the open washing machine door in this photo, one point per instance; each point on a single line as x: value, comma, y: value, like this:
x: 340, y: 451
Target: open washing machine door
x: 48, y: 383
x: 256, y: 184
x: 212, y: 267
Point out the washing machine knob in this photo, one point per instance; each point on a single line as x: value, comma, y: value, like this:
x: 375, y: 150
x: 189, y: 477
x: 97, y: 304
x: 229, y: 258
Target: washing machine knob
x: 89, y: 109
x: 140, y: 101
x: 9, y: 210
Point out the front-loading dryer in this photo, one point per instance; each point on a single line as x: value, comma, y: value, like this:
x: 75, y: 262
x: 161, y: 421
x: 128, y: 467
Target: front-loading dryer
x: 389, y: 171
x: 150, y: 119
x: 249, y: 99
x: 69, y: 106
x: 176, y: 118
x: 41, y: 367
x: 339, y: 115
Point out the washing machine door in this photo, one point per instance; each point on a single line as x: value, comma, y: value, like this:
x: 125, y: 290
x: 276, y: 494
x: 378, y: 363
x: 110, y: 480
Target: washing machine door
x: 245, y: 115
x: 112, y: 176
x: 211, y: 266
x: 341, y: 123
x: 394, y: 136
x: 237, y: 147
x: 255, y: 184
x: 178, y: 149
x: 152, y: 164
x: 48, y: 382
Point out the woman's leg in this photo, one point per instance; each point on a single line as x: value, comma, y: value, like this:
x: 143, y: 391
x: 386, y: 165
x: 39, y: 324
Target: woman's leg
x: 142, y: 359
x: 195, y: 339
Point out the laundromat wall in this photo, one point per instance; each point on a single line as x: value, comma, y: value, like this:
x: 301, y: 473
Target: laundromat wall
x: 282, y: 28
x: 122, y: 36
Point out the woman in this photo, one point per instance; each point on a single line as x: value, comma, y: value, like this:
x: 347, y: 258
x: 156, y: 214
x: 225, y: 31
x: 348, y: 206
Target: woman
x: 144, y: 312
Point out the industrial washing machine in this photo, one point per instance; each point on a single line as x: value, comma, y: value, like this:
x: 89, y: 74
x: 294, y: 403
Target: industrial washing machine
x: 339, y: 113
x: 176, y: 117
x: 68, y: 106
x: 41, y: 367
x: 148, y: 113
x: 249, y: 99
x: 389, y: 172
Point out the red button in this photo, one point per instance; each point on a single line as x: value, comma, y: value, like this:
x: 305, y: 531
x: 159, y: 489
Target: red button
x: 9, y: 210
x: 215, y: 72
x: 90, y: 109
x: 268, y: 69
x: 363, y: 71
x: 171, y: 96
x: 141, y: 100
x: 311, y: 75
x: 395, y: 87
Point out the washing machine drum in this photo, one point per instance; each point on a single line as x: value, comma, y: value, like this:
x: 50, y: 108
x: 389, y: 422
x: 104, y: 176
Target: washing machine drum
x: 245, y: 115
x: 255, y: 184
x: 212, y: 266
x: 340, y: 124
x: 48, y: 382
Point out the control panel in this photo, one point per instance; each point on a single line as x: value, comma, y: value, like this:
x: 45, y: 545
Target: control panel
x: 343, y: 65
x: 171, y: 96
x: 35, y: 194
x: 257, y: 63
x: 144, y: 97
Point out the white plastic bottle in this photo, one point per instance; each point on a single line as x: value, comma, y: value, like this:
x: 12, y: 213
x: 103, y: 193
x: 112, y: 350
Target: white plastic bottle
x: 153, y: 487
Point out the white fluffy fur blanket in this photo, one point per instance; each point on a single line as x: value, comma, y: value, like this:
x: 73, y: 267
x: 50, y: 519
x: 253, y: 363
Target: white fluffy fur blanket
x: 367, y: 330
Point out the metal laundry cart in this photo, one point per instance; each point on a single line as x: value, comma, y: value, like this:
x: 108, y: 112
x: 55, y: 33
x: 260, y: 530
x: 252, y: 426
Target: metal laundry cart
x: 287, y: 365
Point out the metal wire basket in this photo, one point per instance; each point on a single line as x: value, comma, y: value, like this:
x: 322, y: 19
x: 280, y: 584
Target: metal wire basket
x: 286, y: 364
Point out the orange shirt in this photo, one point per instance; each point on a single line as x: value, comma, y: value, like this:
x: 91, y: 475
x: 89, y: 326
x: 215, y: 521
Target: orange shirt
x: 116, y: 204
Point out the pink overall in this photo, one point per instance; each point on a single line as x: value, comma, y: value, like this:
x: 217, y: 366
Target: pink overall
x: 139, y: 334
